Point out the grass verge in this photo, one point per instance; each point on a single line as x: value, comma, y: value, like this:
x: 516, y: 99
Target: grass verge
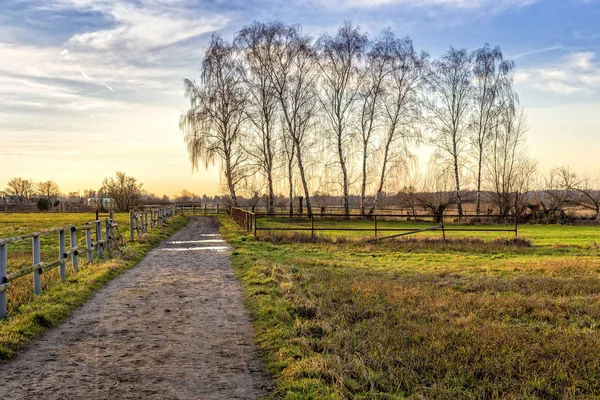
x: 31, y: 319
x: 423, y: 320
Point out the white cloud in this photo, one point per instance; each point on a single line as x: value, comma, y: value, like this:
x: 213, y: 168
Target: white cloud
x: 449, y: 4
x: 575, y: 73
x: 141, y: 25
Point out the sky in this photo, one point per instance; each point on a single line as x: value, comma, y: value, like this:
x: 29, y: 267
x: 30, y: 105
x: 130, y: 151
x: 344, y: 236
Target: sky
x: 91, y: 87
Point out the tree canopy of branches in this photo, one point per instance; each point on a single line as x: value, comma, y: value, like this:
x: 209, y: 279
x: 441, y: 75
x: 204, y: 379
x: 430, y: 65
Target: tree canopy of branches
x: 257, y: 43
x: 338, y: 59
x: 509, y: 169
x: 294, y: 77
x: 213, y: 125
x: 123, y: 189
x: 493, y: 80
x: 283, y: 113
x: 50, y: 190
x: 401, y: 105
x: 20, y: 187
x: 451, y: 89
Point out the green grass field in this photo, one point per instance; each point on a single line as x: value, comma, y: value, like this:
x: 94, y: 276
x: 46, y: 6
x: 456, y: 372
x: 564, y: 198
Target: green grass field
x: 422, y: 319
x: 539, y: 235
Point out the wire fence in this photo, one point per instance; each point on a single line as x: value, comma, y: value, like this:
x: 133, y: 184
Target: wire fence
x: 384, y: 224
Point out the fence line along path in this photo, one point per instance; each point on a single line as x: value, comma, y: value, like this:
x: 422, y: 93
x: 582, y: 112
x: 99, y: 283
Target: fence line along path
x: 107, y: 237
x: 173, y: 327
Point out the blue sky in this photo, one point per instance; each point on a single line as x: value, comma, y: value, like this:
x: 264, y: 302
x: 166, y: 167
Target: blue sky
x: 88, y: 87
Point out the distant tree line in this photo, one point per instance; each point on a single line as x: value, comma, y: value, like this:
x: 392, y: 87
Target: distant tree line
x: 342, y: 114
x: 123, y: 192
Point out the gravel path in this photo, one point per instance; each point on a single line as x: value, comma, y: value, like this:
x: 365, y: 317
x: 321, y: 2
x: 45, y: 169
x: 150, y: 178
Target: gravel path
x: 174, y: 327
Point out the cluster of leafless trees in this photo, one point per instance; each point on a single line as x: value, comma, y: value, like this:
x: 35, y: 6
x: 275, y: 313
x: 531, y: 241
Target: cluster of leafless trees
x: 23, y: 189
x: 342, y: 114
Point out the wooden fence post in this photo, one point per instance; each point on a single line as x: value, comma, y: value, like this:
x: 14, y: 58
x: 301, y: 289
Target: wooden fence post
x: 312, y: 227
x: 74, y: 253
x: 88, y: 243
x: 61, y: 251
x: 107, y: 230
x: 443, y: 228
x: 254, y: 225
x: 98, y: 239
x: 131, y: 225
x: 3, y: 262
x: 516, y: 223
x: 37, y: 277
x: 375, y: 223
x: 217, y: 208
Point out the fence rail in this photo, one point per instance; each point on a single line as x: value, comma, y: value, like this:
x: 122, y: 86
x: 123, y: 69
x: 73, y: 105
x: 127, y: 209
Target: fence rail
x: 200, y: 209
x: 147, y: 217
x: 248, y: 221
x: 101, y: 236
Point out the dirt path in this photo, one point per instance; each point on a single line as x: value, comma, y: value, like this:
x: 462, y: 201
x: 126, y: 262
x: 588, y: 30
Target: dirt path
x: 174, y: 327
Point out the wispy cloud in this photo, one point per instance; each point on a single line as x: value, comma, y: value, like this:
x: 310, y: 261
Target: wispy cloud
x: 536, y: 51
x: 575, y: 73
x: 448, y: 4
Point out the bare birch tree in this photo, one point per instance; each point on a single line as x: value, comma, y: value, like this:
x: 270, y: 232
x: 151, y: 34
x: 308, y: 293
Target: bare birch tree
x: 256, y: 41
x: 294, y: 78
x: 401, y: 107
x: 289, y: 152
x: 338, y: 60
x: 493, y: 77
x: 213, y: 125
x: 509, y: 169
x: 371, y: 91
x: 450, y: 84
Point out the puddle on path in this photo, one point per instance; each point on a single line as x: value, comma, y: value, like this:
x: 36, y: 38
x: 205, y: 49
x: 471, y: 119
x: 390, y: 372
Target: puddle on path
x: 196, y: 241
x: 212, y: 248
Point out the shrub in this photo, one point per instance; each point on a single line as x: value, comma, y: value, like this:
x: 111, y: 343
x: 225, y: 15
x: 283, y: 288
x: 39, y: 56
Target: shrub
x: 43, y: 204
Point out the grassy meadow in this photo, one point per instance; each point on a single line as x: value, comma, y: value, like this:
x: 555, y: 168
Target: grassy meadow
x: 422, y: 319
x: 30, y: 315
x: 540, y: 235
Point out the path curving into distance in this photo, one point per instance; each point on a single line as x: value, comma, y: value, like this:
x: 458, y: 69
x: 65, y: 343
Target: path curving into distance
x: 173, y: 327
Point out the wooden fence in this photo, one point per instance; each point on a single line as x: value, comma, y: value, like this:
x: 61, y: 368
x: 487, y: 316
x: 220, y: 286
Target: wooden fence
x: 107, y: 237
x: 199, y: 209
x: 147, y: 217
x: 249, y: 221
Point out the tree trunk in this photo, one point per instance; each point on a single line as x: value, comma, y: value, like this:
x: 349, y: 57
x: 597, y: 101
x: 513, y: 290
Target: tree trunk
x: 291, y: 182
x: 382, y: 178
x: 479, y: 166
x: 458, y: 199
x: 344, y: 176
x: 363, y: 187
x: 303, y: 178
x: 271, y: 204
x: 230, y: 181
